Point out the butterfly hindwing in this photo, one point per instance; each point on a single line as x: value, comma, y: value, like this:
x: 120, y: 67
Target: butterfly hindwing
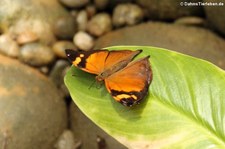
x: 130, y: 85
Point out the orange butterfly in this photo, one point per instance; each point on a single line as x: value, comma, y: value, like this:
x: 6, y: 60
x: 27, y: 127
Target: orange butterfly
x: 126, y: 81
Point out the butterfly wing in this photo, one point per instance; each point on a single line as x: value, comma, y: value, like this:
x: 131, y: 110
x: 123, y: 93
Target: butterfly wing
x: 130, y: 85
x: 97, y: 61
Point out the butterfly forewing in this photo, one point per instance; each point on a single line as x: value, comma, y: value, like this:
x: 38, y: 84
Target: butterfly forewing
x: 97, y: 61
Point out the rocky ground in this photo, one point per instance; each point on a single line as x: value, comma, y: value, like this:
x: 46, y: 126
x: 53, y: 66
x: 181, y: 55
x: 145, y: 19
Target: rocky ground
x: 36, y: 109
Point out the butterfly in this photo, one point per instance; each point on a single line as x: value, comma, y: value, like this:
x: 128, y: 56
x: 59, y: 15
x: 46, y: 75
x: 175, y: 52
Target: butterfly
x: 126, y: 80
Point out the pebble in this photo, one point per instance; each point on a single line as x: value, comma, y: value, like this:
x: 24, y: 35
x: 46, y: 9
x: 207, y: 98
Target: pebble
x: 83, y: 41
x: 127, y: 14
x: 67, y: 141
x: 91, y: 11
x: 57, y: 76
x: 44, y: 69
x: 36, y: 54
x: 65, y: 27
x: 60, y: 46
x: 82, y: 20
x: 100, y: 24
x: 74, y: 3
x: 8, y: 46
x: 26, y: 37
x: 101, y: 4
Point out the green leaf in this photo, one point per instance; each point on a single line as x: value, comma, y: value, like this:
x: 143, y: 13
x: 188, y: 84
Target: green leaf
x: 185, y: 107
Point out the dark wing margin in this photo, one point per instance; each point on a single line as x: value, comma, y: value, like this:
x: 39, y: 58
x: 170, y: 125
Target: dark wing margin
x: 72, y: 55
x: 130, y: 85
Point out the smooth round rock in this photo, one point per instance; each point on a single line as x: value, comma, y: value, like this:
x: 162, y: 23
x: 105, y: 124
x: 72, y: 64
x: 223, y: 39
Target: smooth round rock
x: 169, y: 10
x: 83, y: 41
x: 33, y: 115
x: 36, y: 54
x: 90, y: 134
x: 100, y: 24
x: 65, y: 27
x: 8, y: 46
x: 205, y: 44
x: 216, y: 15
x: 59, y: 47
x: 82, y: 20
x: 26, y: 37
x: 127, y: 14
x: 74, y: 3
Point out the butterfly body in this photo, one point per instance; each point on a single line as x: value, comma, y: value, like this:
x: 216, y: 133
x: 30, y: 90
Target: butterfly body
x: 126, y: 81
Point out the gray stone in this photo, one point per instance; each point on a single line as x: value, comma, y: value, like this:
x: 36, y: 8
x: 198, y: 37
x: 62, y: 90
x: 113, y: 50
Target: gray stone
x: 33, y: 115
x: 216, y: 15
x: 194, y: 41
x: 65, y: 27
x: 36, y: 54
x: 169, y: 9
x: 127, y: 14
x: 89, y: 133
x: 100, y: 24
x: 19, y: 16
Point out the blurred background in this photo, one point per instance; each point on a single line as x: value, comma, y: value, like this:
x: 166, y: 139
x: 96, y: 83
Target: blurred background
x: 36, y: 111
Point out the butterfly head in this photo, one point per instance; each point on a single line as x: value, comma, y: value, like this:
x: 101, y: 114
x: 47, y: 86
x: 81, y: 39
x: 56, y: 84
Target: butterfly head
x: 99, y: 78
